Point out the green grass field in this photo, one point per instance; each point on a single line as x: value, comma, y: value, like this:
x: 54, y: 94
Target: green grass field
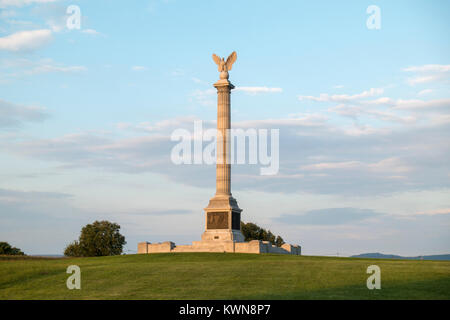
x: 222, y: 276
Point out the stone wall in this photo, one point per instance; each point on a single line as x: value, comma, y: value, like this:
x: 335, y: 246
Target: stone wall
x: 254, y: 246
x: 147, y: 247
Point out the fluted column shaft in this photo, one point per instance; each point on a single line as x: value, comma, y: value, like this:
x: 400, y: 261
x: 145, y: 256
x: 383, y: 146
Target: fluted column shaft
x: 223, y: 167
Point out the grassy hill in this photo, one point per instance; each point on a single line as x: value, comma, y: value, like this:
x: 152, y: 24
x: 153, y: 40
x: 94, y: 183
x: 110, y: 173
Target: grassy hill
x: 222, y: 276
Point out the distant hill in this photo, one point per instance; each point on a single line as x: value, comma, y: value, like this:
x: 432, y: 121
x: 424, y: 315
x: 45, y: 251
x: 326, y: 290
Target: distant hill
x: 378, y: 255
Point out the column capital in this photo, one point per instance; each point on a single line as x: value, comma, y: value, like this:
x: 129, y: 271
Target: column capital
x: 223, y: 83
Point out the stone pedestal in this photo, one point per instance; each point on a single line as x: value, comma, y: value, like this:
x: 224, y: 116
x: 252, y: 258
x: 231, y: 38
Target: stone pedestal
x: 222, y: 219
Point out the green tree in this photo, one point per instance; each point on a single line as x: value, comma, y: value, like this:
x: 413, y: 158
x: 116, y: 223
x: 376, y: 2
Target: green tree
x: 251, y: 231
x: 73, y: 250
x: 279, y: 241
x: 271, y: 237
x: 6, y: 248
x: 101, y: 238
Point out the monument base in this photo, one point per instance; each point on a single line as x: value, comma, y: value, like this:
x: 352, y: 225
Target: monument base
x: 223, y: 235
x: 254, y: 246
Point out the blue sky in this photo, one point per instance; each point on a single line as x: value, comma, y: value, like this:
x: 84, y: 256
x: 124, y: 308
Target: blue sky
x: 86, y: 116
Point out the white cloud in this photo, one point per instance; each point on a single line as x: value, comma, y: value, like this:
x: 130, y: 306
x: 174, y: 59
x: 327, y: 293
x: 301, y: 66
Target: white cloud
x: 404, y: 111
x: 424, y: 79
x: 365, y: 130
x: 91, y: 31
x: 26, y: 40
x: 25, y: 67
x: 434, y: 212
x: 428, y: 68
x: 325, y: 97
x: 392, y: 165
x: 255, y: 90
x: 332, y: 165
x: 421, y: 104
x: 424, y: 92
x: 295, y: 121
x: 47, y: 68
x: 138, y: 68
x: 357, y: 111
x: 21, y: 3
x: 428, y: 73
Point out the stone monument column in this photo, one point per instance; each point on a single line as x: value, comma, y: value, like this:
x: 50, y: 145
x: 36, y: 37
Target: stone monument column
x: 223, y: 166
x: 223, y: 215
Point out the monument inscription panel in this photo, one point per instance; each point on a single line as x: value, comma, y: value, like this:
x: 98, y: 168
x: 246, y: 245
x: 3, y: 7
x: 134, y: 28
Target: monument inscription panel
x: 217, y: 220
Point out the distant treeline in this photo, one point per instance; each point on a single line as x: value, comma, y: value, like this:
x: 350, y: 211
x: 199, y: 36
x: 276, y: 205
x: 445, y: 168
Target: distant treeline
x: 7, y: 249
